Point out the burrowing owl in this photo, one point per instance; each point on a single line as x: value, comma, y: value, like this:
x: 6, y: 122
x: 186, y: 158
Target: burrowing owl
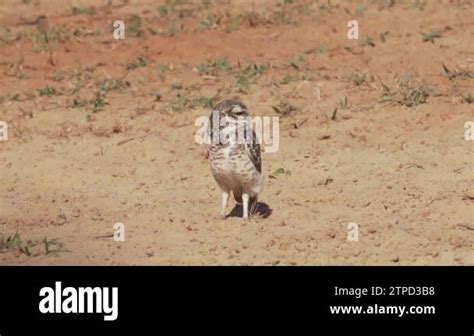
x: 234, y: 155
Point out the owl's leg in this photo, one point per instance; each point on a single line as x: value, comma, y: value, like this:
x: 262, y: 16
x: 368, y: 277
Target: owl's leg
x: 225, y: 198
x: 245, y: 205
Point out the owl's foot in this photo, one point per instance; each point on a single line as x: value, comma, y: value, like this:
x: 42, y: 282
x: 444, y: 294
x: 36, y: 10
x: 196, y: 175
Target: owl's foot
x: 225, y: 198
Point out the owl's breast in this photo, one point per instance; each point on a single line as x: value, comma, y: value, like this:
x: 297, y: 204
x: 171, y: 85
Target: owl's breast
x: 231, y: 166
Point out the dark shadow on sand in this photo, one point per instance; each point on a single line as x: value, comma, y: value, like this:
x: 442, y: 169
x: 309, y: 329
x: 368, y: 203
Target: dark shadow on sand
x: 261, y: 210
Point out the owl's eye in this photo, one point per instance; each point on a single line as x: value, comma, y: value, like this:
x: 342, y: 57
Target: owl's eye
x: 238, y: 110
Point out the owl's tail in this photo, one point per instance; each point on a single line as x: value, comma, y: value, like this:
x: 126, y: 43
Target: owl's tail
x: 237, y: 195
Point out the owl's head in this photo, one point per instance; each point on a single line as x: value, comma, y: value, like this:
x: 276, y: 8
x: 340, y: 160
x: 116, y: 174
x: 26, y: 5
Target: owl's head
x: 231, y: 108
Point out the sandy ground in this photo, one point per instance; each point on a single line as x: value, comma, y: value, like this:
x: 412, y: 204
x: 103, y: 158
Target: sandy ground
x: 102, y: 131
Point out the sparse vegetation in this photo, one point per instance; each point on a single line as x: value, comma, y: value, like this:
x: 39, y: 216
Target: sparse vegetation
x: 134, y: 28
x: 96, y: 104
x: 461, y: 73
x: 220, y: 64
x: 284, y: 109
x: 122, y: 114
x: 431, y: 36
x: 176, y: 86
x: 48, y: 91
x: 468, y: 99
x: 162, y: 68
x: 245, y: 76
x: 280, y: 171
x: 30, y: 247
x: 83, y: 10
x: 4, y: 35
x: 13, y: 97
x: 16, y: 70
x: 366, y: 41
x: 78, y: 102
x: 182, y: 102
x: 137, y: 63
x: 112, y: 84
x: 212, y: 21
x: 50, y: 40
x: 358, y: 78
x: 419, y: 4
x: 322, y: 48
x: 360, y: 10
x: 407, y: 93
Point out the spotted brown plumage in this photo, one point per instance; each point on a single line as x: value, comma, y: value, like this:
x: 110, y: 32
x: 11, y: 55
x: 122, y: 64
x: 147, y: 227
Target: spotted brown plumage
x: 234, y: 155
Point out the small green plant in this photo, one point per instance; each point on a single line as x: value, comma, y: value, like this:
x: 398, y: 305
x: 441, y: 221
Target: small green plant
x: 83, y: 10
x: 366, y: 41
x: 16, y: 70
x: 50, y: 40
x: 431, y: 36
x: 98, y: 103
x: 468, y: 99
x: 322, y: 48
x: 171, y: 7
x: 285, y: 109
x: 134, y: 28
x: 137, y: 63
x: 202, y: 102
x: 305, y: 9
x: 242, y: 82
x: 288, y: 79
x: 15, y: 97
x: 280, y: 171
x: 233, y: 24
x: 176, y: 86
x: 407, y: 94
x: 358, y: 78
x: 282, y: 17
x: 211, y: 21
x: 388, y: 3
x: 4, y: 35
x: 360, y: 10
x: 78, y: 102
x: 220, y: 64
x: 255, y: 70
x: 298, y: 58
x: 182, y: 102
x: 48, y: 91
x: 461, y: 73
x: 419, y: 4
x: 206, y: 3
x: 245, y: 76
x: 30, y: 247
x: 111, y: 84
x: 179, y: 103
x: 162, y: 68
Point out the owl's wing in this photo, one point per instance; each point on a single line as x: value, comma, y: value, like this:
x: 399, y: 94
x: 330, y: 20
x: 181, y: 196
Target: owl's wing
x: 253, y: 151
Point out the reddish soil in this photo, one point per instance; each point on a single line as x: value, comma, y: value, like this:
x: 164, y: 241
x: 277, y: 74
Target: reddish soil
x: 105, y: 134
